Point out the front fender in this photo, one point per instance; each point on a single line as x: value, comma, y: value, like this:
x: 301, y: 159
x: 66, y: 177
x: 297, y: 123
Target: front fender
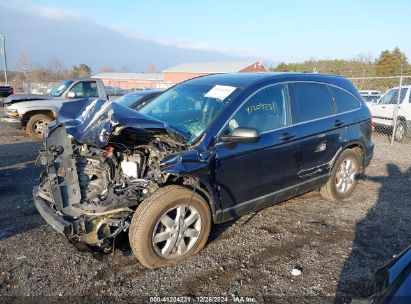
x: 26, y: 110
x: 200, y: 167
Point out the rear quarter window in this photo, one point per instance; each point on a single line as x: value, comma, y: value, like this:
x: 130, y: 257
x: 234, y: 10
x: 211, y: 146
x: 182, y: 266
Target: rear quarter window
x: 344, y: 101
x: 310, y: 101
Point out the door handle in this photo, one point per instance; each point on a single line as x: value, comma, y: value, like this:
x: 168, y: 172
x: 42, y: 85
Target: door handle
x: 286, y: 136
x: 338, y: 123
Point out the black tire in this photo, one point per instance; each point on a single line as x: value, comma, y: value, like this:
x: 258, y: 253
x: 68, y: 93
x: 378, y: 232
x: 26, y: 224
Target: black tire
x: 400, y: 131
x: 147, y: 216
x: 34, y: 123
x: 330, y: 190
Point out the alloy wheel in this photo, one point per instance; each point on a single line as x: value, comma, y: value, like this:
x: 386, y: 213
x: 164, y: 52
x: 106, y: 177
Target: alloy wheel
x: 346, y: 175
x: 176, y: 231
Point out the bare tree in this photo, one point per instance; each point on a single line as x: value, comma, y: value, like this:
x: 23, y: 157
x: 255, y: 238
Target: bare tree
x: 124, y: 69
x: 151, y: 68
x: 107, y: 69
x: 55, y: 68
x: 24, y: 66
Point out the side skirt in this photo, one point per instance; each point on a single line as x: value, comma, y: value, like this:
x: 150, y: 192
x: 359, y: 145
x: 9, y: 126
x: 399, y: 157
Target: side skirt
x: 272, y: 198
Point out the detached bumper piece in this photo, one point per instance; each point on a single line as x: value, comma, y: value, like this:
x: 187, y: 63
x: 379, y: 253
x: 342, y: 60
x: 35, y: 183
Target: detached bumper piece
x: 64, y: 227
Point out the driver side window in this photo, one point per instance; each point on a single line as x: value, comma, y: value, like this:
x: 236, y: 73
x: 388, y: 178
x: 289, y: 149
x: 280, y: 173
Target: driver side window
x: 85, y: 89
x: 266, y: 110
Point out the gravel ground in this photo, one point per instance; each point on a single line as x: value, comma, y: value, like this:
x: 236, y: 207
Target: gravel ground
x: 338, y: 245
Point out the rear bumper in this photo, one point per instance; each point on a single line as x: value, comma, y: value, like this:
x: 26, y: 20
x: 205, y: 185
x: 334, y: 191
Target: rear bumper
x: 61, y: 225
x: 369, y: 153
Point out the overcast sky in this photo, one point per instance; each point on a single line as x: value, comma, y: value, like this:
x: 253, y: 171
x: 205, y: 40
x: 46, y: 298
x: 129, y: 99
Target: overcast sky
x: 270, y: 30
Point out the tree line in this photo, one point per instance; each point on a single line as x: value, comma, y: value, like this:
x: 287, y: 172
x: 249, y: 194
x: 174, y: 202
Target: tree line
x: 388, y: 63
x: 27, y: 71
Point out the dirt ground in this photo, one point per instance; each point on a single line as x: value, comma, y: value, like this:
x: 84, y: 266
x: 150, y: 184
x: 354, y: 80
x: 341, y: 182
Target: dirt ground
x: 338, y: 245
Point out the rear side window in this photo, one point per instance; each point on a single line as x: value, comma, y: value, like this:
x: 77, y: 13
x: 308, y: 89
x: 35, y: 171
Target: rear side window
x: 310, y: 101
x: 344, y: 100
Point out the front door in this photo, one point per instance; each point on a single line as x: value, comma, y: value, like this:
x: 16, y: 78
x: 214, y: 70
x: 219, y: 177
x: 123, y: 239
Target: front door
x: 251, y: 176
x: 383, y: 112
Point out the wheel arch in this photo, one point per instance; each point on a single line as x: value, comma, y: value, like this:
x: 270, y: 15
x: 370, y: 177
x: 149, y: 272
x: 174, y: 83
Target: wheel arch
x: 26, y: 116
x: 202, y: 188
x: 358, y: 148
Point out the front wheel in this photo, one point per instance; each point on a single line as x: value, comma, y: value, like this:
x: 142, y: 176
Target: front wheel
x: 400, y: 131
x: 167, y: 228
x: 344, y: 177
x: 37, y: 125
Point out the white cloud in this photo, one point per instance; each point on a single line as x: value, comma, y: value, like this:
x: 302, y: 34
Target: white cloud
x: 59, y: 13
x: 49, y: 12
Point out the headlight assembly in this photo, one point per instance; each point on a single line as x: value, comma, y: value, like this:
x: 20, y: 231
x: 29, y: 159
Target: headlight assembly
x: 12, y: 112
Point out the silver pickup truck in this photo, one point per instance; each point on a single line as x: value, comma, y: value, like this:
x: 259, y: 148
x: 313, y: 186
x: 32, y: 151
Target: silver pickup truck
x: 33, y: 113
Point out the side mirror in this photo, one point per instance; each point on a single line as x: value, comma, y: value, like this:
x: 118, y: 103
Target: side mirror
x: 71, y: 94
x: 245, y: 135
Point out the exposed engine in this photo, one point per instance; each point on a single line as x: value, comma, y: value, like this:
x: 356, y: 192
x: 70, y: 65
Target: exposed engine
x: 107, y: 176
x: 111, y: 182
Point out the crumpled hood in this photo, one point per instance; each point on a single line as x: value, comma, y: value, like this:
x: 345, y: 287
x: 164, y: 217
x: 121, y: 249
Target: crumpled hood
x: 93, y: 122
x: 26, y: 97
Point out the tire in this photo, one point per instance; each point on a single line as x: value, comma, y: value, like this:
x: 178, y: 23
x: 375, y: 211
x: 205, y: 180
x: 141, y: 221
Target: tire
x: 334, y: 189
x: 400, y: 131
x: 146, y: 226
x: 36, y: 125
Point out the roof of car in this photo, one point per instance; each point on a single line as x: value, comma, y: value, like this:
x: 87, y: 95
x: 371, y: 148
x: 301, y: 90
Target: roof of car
x: 244, y: 80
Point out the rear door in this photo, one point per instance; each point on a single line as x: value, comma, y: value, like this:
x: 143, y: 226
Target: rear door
x: 319, y: 131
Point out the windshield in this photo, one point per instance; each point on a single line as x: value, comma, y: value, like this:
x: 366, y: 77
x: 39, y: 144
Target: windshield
x: 58, y: 90
x: 190, y: 108
x: 391, y: 97
x: 128, y: 100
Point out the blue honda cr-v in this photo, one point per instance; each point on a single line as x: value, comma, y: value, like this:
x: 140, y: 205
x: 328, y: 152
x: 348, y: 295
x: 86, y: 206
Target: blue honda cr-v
x: 205, y: 151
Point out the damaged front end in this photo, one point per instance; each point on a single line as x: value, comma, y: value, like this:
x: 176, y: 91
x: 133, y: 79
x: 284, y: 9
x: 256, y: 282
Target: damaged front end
x: 100, y: 162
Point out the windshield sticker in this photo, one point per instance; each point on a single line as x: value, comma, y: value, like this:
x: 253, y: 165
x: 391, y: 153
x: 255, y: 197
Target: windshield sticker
x: 220, y: 92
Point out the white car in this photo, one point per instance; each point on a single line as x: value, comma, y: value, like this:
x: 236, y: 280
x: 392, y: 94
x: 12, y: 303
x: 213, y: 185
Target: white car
x: 383, y: 112
x: 369, y: 92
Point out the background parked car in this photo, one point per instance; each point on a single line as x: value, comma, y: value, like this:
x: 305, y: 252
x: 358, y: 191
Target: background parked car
x: 34, y: 112
x: 137, y: 99
x: 116, y: 91
x: 5, y: 91
x: 371, y: 98
x: 369, y: 92
x: 384, y: 111
x: 392, y: 282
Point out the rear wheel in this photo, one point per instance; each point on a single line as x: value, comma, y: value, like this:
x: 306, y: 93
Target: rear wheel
x: 166, y: 228
x: 37, y: 125
x: 344, y: 177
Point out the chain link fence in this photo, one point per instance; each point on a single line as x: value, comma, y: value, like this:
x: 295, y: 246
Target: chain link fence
x: 388, y: 98
x: 112, y: 87
x: 389, y: 101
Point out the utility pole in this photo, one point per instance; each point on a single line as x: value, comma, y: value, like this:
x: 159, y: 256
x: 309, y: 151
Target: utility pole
x: 3, y: 51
